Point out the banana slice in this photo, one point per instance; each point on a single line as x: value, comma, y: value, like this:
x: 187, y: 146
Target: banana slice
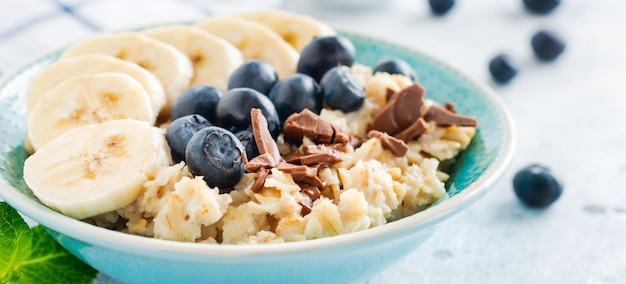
x: 173, y: 68
x: 64, y: 69
x: 255, y: 41
x: 98, y: 168
x: 213, y: 58
x: 87, y: 99
x: 297, y: 30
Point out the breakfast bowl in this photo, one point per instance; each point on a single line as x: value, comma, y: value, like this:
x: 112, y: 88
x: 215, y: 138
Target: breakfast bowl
x: 344, y: 258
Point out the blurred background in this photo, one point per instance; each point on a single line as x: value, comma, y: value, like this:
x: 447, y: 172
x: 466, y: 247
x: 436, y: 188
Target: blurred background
x: 568, y: 116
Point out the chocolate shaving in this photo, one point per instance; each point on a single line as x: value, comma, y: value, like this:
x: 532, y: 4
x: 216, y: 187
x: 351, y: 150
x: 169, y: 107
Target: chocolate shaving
x: 311, y: 191
x: 450, y: 107
x: 306, y: 209
x: 389, y: 95
x: 396, y: 146
x: 263, y: 161
x: 302, y: 174
x: 264, y: 141
x: 259, y: 182
x: 401, y: 111
x: 415, y: 130
x: 322, y: 159
x: 444, y: 117
x: 309, y: 124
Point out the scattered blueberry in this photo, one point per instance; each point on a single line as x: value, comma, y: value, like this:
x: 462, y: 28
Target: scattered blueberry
x: 536, y: 187
x: 233, y: 110
x: 440, y: 7
x: 541, y: 6
x: 246, y: 137
x: 502, y: 69
x: 295, y: 93
x: 324, y: 53
x: 341, y: 90
x: 547, y: 45
x: 216, y: 154
x: 254, y: 74
x: 180, y: 132
x: 395, y: 66
x: 200, y: 99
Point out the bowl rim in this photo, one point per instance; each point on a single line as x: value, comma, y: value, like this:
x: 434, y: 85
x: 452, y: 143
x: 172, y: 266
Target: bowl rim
x: 115, y: 240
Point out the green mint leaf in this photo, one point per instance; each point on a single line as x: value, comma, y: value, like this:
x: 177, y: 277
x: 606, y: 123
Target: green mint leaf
x: 15, y: 241
x: 39, y: 258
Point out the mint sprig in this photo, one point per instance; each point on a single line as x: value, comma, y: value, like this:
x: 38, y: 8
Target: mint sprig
x: 32, y: 256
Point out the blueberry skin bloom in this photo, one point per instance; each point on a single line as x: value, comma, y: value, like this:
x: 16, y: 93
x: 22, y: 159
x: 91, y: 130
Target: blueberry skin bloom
x: 541, y: 6
x: 536, y: 187
x: 180, y: 132
x: 547, y: 45
x: 200, y: 99
x: 395, y: 66
x: 254, y: 74
x: 441, y: 7
x: 324, y: 53
x: 502, y: 69
x: 216, y: 154
x: 341, y: 90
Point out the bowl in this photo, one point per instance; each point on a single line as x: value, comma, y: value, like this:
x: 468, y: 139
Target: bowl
x: 346, y: 258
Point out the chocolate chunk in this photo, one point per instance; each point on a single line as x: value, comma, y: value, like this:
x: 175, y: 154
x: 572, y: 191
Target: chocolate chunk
x: 263, y: 161
x: 311, y: 191
x: 307, y: 123
x: 264, y: 141
x: 397, y: 147
x: 306, y: 209
x: 450, y: 107
x: 389, y: 95
x: 322, y: 159
x: 302, y: 174
x: 401, y: 111
x: 444, y: 117
x: 259, y: 182
x: 415, y: 130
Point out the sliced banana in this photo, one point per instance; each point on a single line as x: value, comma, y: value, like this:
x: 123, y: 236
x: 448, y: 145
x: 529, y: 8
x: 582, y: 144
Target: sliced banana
x: 297, y: 30
x: 87, y: 99
x: 173, y: 68
x: 213, y: 58
x: 255, y: 41
x: 98, y: 168
x: 67, y: 68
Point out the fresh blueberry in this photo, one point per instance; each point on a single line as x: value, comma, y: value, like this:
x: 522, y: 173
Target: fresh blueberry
x: 440, y: 7
x: 200, y: 99
x: 536, y: 187
x: 295, y: 93
x: 502, y: 69
x: 341, y: 90
x: 547, y: 45
x: 180, y: 132
x: 254, y: 74
x: 216, y: 154
x: 246, y: 137
x: 541, y: 6
x: 395, y: 66
x: 233, y: 110
x: 324, y: 53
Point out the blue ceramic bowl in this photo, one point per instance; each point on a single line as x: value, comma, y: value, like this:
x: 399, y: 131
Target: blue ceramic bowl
x: 346, y: 258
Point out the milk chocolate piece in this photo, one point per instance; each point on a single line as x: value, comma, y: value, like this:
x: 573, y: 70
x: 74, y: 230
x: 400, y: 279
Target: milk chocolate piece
x: 306, y: 209
x: 263, y: 161
x: 259, y: 182
x: 389, y: 95
x: 445, y: 118
x: 450, y: 107
x: 311, y: 191
x: 322, y: 159
x: 307, y: 123
x: 264, y: 141
x: 397, y: 147
x: 401, y: 111
x: 321, y: 148
x: 415, y: 130
x: 302, y: 174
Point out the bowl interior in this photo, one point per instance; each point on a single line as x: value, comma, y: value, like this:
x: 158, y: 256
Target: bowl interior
x: 443, y: 83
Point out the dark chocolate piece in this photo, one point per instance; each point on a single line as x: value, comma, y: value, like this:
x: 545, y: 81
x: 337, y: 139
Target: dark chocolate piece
x: 396, y: 146
x: 401, y: 111
x: 415, y: 130
x: 309, y: 124
x: 444, y: 117
x: 264, y: 141
x: 259, y: 182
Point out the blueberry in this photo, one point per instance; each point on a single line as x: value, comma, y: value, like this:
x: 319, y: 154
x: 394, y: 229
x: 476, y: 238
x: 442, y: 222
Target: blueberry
x: 180, y: 132
x: 341, y: 90
x: 233, y: 110
x: 395, y: 66
x: 295, y: 93
x: 536, y: 187
x: 246, y: 137
x: 440, y: 7
x: 254, y: 74
x: 502, y: 69
x: 324, y: 53
x: 200, y: 99
x: 541, y: 6
x: 216, y: 154
x: 547, y: 45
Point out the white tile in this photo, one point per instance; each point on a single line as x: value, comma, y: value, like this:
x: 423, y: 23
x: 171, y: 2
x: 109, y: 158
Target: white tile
x: 14, y: 12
